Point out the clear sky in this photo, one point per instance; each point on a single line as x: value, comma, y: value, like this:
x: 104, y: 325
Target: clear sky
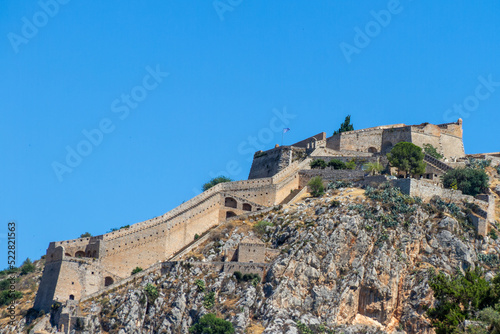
x: 115, y: 112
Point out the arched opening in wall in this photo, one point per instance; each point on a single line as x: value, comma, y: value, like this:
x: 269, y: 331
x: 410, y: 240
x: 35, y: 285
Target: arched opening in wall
x: 108, y: 281
x: 230, y: 214
x: 67, y: 254
x: 80, y: 254
x: 387, y: 147
x: 372, y: 150
x: 71, y: 297
x: 230, y: 202
x: 247, y: 207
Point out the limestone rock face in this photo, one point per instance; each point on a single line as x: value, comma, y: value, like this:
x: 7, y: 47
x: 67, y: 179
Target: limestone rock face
x: 349, y: 267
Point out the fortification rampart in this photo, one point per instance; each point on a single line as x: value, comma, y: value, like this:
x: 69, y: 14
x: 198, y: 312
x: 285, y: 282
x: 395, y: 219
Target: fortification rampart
x: 80, y: 267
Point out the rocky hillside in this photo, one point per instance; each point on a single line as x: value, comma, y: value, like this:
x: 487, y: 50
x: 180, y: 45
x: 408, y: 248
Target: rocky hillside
x: 354, y: 260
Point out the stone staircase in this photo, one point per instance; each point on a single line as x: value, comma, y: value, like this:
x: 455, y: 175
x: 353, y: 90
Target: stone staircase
x: 438, y: 164
x: 290, y: 196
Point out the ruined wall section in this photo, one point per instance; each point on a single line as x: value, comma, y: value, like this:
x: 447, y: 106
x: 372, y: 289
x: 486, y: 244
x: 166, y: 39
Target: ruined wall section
x: 446, y: 138
x: 312, y: 142
x: 268, y: 163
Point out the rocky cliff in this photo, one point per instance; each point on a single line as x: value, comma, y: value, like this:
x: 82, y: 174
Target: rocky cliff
x: 354, y: 260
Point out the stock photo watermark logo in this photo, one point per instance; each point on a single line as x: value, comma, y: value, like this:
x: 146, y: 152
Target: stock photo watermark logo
x: 483, y: 91
x: 280, y: 119
x: 121, y: 106
x: 30, y: 28
x: 223, y: 6
x: 373, y: 28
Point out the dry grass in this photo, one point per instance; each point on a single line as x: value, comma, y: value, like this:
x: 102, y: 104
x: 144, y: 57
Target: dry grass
x: 255, y: 328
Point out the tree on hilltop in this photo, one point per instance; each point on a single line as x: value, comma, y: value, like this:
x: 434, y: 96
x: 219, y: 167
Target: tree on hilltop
x: 408, y: 158
x: 214, y: 181
x: 346, y: 126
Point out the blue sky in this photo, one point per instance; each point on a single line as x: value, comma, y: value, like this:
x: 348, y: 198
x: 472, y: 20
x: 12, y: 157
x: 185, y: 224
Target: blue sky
x: 172, y: 93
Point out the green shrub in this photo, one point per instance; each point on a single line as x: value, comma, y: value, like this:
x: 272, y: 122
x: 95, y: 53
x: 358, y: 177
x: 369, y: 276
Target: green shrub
x: 351, y: 164
x: 316, y: 186
x: 196, y: 236
x: 27, y: 267
x: 238, y: 275
x: 210, y: 324
x: 432, y: 151
x: 493, y: 235
x: 209, y: 300
x: 337, y: 164
x: 215, y: 181
x: 334, y: 203
x: 200, y: 284
x: 460, y: 297
x: 7, y: 296
x: 136, y: 270
x: 408, y: 158
x: 373, y: 167
x: 469, y: 181
x: 85, y: 235
x: 318, y: 163
x: 260, y: 227
x: 151, y: 292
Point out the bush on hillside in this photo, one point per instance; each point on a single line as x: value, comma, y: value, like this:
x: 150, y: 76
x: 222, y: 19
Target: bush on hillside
x: 316, y: 186
x: 462, y: 297
x: 337, y: 164
x: 260, y: 227
x: 469, y: 181
x: 27, y: 267
x: 210, y: 324
x: 136, y: 270
x: 318, y: 164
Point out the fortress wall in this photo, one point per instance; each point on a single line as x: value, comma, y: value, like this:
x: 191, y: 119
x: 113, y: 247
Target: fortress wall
x: 285, y: 187
x: 391, y: 137
x: 266, y: 165
x: 452, y: 146
x: 333, y: 142
x: 49, y: 281
x: 156, y: 242
x: 79, y: 278
x: 264, y: 195
x: 330, y: 175
x: 309, y: 143
x: 362, y: 141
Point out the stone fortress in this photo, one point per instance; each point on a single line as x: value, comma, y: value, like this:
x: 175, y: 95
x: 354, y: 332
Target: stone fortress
x: 76, y: 269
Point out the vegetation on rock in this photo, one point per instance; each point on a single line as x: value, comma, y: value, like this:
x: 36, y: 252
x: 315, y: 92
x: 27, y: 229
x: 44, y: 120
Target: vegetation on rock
x: 136, y: 270
x: 432, y: 151
x: 210, y: 324
x: 470, y: 181
x: 465, y: 297
x: 316, y: 186
x: 318, y: 164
